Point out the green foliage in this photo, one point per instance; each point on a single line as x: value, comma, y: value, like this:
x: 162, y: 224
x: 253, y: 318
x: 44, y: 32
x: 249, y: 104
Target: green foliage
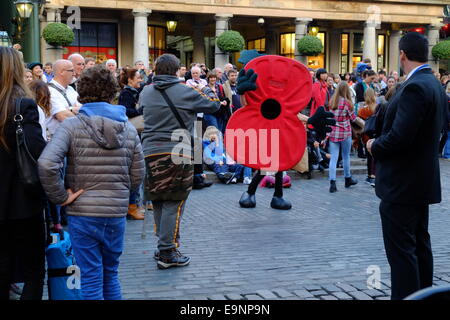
x: 230, y: 41
x: 58, y: 34
x: 309, y: 46
x: 441, y: 50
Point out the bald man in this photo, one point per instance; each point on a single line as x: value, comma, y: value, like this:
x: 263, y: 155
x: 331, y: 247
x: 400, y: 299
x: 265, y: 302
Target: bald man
x: 78, y: 67
x: 63, y: 98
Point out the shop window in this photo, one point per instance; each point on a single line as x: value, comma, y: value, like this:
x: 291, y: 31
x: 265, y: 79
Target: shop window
x: 355, y: 60
x: 381, y: 51
x: 156, y: 42
x: 344, y: 52
x: 287, y: 45
x: 94, y: 40
x: 257, y: 44
x: 358, y: 42
x: 316, y: 62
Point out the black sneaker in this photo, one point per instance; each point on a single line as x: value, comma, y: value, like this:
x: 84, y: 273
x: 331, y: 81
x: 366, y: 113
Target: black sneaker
x: 172, y: 258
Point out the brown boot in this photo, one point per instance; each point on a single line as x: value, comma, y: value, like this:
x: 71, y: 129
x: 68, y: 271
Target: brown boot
x: 133, y: 212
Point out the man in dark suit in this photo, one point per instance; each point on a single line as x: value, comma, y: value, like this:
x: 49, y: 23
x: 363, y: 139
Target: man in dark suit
x: 408, y: 177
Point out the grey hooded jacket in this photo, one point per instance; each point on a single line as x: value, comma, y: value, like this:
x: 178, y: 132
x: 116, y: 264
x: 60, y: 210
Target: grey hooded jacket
x: 104, y: 158
x: 160, y: 122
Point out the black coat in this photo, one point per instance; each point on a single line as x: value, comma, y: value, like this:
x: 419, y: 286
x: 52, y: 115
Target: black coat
x: 359, y: 90
x: 129, y: 98
x: 15, y: 202
x: 407, y: 150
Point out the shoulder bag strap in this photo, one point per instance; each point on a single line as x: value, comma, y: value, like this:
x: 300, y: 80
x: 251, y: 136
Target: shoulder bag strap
x: 20, y: 133
x: 176, y: 113
x: 60, y: 91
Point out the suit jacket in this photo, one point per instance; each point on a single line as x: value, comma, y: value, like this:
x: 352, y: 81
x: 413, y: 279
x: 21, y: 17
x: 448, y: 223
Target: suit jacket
x: 15, y: 202
x: 407, y: 151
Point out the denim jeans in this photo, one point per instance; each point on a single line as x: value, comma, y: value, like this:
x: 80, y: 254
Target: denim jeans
x: 240, y: 170
x: 334, y: 150
x: 211, y: 120
x: 447, y: 147
x: 134, y: 197
x: 97, y: 245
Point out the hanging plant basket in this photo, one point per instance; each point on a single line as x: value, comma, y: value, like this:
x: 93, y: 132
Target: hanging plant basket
x: 441, y: 51
x: 310, y: 46
x: 58, y: 34
x: 230, y: 41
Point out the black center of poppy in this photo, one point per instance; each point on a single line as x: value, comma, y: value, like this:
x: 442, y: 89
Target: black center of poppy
x: 270, y: 109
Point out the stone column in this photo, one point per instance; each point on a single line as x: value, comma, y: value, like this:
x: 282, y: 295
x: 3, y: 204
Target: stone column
x: 271, y: 41
x: 140, y: 45
x: 335, y: 51
x: 433, y: 39
x: 394, y: 51
x: 370, y: 43
x: 221, y: 58
x: 301, y: 29
x: 199, y: 44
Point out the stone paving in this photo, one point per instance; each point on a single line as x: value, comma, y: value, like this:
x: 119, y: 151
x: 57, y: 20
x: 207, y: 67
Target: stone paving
x: 321, y: 249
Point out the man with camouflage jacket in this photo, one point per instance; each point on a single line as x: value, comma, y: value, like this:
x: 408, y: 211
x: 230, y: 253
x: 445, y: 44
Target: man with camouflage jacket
x: 169, y: 178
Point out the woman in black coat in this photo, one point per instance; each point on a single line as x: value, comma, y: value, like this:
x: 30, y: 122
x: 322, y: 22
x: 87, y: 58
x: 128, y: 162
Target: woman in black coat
x: 129, y: 96
x: 22, y: 231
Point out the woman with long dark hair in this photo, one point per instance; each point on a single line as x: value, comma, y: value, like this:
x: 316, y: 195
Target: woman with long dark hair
x: 22, y: 231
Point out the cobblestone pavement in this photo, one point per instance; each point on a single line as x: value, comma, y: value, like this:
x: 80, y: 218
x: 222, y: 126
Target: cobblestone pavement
x: 321, y: 249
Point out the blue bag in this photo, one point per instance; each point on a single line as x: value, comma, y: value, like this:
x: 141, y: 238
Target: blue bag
x: 63, y: 273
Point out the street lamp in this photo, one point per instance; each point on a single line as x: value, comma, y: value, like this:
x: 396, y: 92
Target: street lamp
x: 24, y: 7
x: 314, y: 31
x: 171, y: 25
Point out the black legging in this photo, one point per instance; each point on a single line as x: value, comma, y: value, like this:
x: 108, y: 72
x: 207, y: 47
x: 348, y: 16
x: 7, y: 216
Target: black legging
x: 257, y: 179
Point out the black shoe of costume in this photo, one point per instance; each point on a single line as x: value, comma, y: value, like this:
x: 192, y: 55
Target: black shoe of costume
x: 172, y: 258
x: 333, y: 186
x: 350, y: 182
x: 156, y: 255
x: 247, y: 200
x: 280, y: 204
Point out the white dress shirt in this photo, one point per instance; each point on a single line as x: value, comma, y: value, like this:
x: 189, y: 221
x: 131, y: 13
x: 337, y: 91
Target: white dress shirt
x: 59, y: 103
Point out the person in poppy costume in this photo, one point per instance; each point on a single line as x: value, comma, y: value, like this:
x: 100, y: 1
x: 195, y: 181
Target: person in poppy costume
x: 275, y: 89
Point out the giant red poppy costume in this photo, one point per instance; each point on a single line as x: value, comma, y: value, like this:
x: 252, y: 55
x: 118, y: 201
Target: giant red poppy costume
x: 266, y: 134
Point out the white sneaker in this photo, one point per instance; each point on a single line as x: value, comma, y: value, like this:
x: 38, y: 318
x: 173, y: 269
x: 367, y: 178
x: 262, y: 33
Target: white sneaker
x: 247, y: 180
x: 234, y: 180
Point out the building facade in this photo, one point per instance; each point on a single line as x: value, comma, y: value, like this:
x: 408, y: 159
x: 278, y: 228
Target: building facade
x: 130, y: 30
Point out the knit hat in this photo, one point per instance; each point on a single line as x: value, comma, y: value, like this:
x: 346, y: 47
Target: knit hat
x: 31, y: 65
x: 248, y: 55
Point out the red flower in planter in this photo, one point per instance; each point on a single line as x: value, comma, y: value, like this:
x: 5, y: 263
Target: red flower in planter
x: 266, y: 133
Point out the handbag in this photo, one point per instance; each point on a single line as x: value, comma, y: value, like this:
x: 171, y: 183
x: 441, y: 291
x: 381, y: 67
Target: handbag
x: 63, y: 273
x: 370, y: 126
x: 303, y: 165
x: 358, y: 125
x: 27, y: 166
x: 138, y: 123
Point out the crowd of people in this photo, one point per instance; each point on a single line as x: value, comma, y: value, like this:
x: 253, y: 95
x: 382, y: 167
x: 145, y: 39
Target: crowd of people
x: 99, y: 128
